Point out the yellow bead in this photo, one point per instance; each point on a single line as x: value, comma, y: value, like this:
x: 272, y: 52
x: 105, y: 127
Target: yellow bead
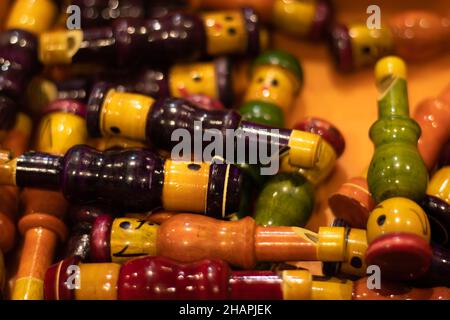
x: 397, y: 215
x: 60, y: 131
x: 98, y: 281
x: 293, y: 16
x: 23, y: 124
x: 40, y: 92
x: 185, y: 186
x: 333, y: 289
x: 225, y: 32
x: 389, y: 67
x: 439, y: 185
x: 34, y: 16
x: 331, y: 245
x: 125, y: 114
x: 320, y: 171
x: 28, y: 288
x: 58, y: 47
x: 305, y: 148
x: 273, y: 84
x: 196, y: 78
x: 368, y: 45
x: 296, y: 285
x: 132, y: 238
x: 355, y: 253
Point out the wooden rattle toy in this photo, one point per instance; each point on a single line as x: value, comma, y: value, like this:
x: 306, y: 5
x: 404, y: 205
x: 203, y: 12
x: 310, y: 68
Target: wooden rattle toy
x: 177, y: 36
x: 41, y: 225
x: 190, y: 237
x: 135, y: 180
x: 301, y: 18
x: 396, y: 169
x: 142, y: 118
x: 275, y: 83
x: 412, y: 35
x: 155, y: 278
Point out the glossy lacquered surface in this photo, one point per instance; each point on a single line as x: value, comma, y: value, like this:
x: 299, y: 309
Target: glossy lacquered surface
x: 396, y: 169
x: 414, y: 35
x: 162, y: 40
x: 140, y: 117
x: 398, y: 234
x: 188, y: 238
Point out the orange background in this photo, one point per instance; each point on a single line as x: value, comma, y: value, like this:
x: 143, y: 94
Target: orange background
x: 349, y: 101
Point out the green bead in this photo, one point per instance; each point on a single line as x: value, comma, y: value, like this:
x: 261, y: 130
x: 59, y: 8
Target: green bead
x: 283, y: 59
x: 263, y: 113
x: 396, y: 169
x: 286, y: 200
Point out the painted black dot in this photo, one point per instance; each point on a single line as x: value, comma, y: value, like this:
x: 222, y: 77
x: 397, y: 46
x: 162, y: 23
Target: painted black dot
x: 229, y: 18
x: 260, y: 80
x: 356, y: 262
x: 381, y: 219
x: 197, y: 78
x: 125, y: 225
x: 231, y: 31
x: 115, y: 130
x: 193, y: 166
x: 366, y: 50
x: 274, y: 82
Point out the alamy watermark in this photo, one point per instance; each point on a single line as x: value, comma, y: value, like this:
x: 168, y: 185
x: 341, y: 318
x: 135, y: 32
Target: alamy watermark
x: 73, y: 21
x: 374, y: 20
x: 240, y: 146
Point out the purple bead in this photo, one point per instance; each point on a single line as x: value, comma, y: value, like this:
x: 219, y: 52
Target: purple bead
x: 8, y: 111
x: 438, y: 212
x: 215, y: 205
x: 253, y: 27
x: 78, y: 244
x: 74, y: 88
x: 322, y: 20
x: 124, y: 179
x: 100, y: 249
x: 224, y: 75
x: 148, y: 81
x: 88, y: 213
x: 177, y: 36
x: 94, y: 107
x: 444, y: 158
x: 83, y: 218
x: 439, y: 271
x: 341, y: 47
x: 95, y: 13
x: 38, y: 170
x: 255, y: 134
x: 169, y: 114
x: 18, y: 63
x: 100, y: 45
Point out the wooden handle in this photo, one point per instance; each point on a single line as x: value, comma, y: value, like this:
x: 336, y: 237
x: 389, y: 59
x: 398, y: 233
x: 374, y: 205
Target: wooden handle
x: 187, y: 237
x: 41, y: 227
x: 285, y: 244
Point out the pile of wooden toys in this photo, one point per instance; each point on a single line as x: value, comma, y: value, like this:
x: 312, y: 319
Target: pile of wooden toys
x: 94, y: 204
